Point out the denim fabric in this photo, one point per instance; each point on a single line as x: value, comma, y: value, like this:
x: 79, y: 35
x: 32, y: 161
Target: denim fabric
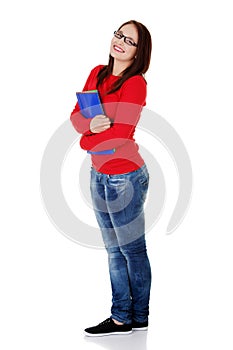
x: 118, y: 202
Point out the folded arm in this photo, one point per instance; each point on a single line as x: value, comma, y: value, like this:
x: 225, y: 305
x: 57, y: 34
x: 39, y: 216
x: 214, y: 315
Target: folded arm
x: 126, y: 118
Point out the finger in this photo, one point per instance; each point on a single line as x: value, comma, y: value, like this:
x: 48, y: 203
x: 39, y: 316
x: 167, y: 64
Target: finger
x: 100, y: 116
x: 100, y: 129
x: 102, y: 126
x: 103, y: 117
x: 105, y: 124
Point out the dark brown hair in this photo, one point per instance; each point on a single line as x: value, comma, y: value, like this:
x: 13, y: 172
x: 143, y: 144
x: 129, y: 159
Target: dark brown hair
x: 140, y: 64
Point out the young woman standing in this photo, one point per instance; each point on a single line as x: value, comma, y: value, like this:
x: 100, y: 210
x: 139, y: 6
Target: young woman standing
x: 119, y: 181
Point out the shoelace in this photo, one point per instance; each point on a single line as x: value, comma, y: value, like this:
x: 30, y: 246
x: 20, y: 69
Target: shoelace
x: 108, y: 320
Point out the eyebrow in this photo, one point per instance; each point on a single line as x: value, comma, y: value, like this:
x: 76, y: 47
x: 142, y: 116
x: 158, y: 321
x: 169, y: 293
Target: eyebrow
x: 120, y: 31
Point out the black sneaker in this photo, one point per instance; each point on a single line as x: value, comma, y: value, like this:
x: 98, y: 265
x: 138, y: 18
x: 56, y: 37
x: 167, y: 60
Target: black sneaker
x: 137, y: 326
x: 108, y: 327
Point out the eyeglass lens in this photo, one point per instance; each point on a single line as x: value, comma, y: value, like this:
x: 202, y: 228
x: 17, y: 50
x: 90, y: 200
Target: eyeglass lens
x: 127, y: 40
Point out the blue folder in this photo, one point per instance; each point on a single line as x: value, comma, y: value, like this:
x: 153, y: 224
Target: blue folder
x: 89, y: 103
x: 90, y: 106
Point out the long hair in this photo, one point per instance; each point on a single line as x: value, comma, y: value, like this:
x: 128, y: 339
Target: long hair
x: 140, y: 64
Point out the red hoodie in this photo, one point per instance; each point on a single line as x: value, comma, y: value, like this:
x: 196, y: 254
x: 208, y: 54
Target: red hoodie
x: 123, y: 107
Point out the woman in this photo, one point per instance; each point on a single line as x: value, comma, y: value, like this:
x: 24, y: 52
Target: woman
x: 119, y: 181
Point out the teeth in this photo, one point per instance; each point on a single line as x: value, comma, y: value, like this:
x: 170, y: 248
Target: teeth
x: 118, y: 48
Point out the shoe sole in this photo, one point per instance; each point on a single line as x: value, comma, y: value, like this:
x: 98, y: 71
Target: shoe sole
x: 104, y: 334
x: 140, y: 329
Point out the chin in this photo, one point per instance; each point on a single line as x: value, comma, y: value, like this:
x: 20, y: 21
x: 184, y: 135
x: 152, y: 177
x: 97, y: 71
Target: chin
x: 113, y: 54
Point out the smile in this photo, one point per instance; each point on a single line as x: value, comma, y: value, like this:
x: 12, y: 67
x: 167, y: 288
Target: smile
x: 118, y: 48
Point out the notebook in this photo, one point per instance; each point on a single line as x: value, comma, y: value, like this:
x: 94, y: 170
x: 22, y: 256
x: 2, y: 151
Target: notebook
x: 89, y: 103
x: 90, y: 106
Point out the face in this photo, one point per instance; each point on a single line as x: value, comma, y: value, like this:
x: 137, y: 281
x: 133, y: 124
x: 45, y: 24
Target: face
x: 120, y: 50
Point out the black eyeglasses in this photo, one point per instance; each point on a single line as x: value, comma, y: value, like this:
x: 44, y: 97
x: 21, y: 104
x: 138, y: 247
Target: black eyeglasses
x: 127, y: 40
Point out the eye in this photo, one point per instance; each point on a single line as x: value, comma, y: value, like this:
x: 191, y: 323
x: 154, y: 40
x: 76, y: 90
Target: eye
x: 130, y: 42
x: 118, y: 35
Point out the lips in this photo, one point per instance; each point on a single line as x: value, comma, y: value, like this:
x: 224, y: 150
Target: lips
x: 118, y: 49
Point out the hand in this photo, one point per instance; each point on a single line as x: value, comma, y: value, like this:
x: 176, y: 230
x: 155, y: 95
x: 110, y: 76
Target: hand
x: 100, y: 123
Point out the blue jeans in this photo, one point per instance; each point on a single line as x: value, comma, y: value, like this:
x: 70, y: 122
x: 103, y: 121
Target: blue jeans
x: 118, y: 202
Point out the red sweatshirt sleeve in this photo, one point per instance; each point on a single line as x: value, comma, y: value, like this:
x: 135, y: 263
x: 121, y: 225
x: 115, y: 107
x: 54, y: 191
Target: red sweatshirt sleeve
x: 132, y: 100
x: 80, y: 123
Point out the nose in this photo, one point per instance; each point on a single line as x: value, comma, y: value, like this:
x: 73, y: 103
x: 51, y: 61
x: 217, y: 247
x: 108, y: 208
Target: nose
x: 120, y: 41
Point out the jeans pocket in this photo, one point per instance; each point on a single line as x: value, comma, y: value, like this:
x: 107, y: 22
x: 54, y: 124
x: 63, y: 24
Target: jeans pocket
x: 115, y: 181
x: 144, y: 178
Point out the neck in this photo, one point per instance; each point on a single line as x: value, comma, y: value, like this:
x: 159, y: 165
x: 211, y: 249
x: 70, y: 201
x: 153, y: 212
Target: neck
x: 119, y: 67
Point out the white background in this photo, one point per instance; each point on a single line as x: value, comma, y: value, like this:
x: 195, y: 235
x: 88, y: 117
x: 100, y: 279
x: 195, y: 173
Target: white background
x: 52, y: 288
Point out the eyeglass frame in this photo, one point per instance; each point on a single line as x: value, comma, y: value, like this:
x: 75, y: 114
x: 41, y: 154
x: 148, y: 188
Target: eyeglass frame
x: 125, y: 38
